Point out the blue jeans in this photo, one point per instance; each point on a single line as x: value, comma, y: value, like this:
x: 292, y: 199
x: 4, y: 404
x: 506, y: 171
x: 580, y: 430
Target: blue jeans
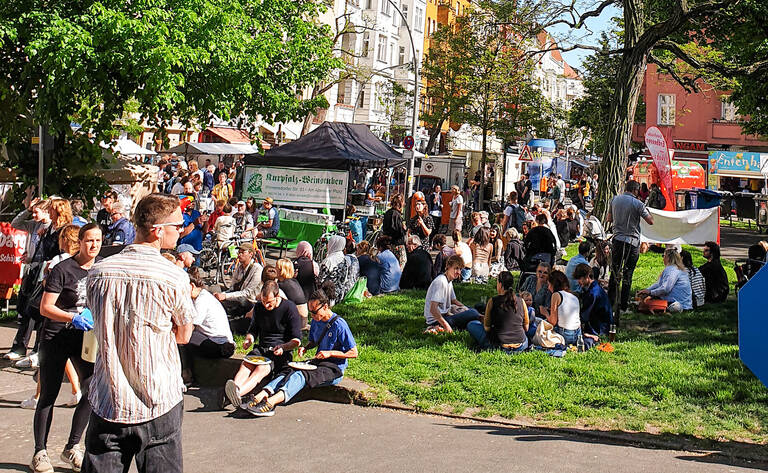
x: 295, y: 383
x: 465, y: 274
x: 459, y: 321
x: 477, y: 330
x: 571, y: 336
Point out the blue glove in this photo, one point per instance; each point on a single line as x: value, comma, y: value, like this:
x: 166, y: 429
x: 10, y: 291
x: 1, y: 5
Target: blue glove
x: 83, y: 321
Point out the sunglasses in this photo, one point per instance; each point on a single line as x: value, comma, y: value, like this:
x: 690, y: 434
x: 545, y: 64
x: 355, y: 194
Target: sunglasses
x: 317, y: 309
x: 178, y: 225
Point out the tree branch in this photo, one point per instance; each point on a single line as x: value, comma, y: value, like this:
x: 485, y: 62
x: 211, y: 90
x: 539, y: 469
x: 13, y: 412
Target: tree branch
x: 687, y: 83
x: 577, y: 21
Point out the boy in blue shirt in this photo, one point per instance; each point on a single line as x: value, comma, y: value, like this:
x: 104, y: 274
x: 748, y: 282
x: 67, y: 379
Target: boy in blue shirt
x: 596, y: 309
x: 335, y: 345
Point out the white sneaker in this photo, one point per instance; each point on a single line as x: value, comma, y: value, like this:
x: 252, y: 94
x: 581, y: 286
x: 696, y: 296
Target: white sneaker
x: 41, y: 463
x: 73, y: 457
x: 74, y: 400
x: 31, y: 361
x: 12, y: 355
x: 232, y: 391
x: 30, y: 403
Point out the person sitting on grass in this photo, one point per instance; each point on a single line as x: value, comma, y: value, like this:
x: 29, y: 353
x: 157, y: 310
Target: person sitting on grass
x: 698, y: 285
x: 212, y: 337
x: 335, y: 345
x: 714, y: 275
x: 389, y: 280
x: 482, y: 250
x: 596, y: 310
x: 563, y: 312
x: 369, y: 267
x: 673, y: 285
x: 585, y: 248
x: 417, y: 273
x: 462, y: 249
x: 442, y: 311
x: 443, y: 253
x: 506, y: 319
x: 539, y: 287
x: 277, y: 324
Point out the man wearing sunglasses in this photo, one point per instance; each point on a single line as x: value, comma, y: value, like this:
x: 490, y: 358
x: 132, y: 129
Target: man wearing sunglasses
x: 142, y: 308
x: 245, y: 289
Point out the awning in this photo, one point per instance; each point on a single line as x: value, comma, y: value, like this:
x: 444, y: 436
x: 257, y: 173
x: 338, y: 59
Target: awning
x: 212, y: 148
x: 127, y: 147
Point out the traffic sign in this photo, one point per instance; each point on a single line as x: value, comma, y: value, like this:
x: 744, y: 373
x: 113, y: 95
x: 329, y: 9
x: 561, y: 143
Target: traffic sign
x: 526, y: 154
x: 408, y: 142
x: 408, y: 154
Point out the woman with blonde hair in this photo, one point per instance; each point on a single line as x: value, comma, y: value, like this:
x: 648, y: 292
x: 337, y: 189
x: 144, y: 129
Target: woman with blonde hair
x: 513, y: 249
x: 291, y: 287
x: 673, y: 285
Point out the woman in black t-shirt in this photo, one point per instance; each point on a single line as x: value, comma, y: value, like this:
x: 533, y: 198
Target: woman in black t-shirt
x: 292, y: 289
x: 506, y: 319
x: 63, y: 305
x: 305, y: 269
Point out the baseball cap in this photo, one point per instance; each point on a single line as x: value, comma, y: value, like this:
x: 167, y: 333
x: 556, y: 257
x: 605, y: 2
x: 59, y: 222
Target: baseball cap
x: 184, y: 247
x: 268, y: 199
x: 240, y: 202
x: 246, y: 246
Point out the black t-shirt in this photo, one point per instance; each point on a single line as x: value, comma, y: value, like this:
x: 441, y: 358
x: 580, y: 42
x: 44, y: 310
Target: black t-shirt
x: 67, y: 279
x: 392, y: 226
x: 277, y: 326
x: 539, y: 240
x: 293, y: 291
x: 417, y: 273
x: 104, y: 220
x: 305, y: 275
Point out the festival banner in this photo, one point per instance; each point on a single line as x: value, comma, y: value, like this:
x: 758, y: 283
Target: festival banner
x: 12, y: 243
x: 683, y: 227
x: 297, y: 187
x: 659, y: 150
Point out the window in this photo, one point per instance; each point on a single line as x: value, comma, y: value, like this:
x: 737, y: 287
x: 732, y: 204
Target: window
x: 361, y: 100
x: 728, y: 110
x: 401, y: 58
x: 666, y: 115
x: 381, y: 52
x: 366, y: 44
x: 418, y: 19
x: 386, y: 7
x: 396, y: 19
x: 391, y: 57
x: 404, y: 9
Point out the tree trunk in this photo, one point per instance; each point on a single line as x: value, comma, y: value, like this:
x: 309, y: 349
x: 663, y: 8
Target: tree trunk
x: 433, y: 134
x: 483, y: 161
x: 621, y: 117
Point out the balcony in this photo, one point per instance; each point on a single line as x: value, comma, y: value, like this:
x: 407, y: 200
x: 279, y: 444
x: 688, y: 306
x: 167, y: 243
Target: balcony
x: 726, y: 130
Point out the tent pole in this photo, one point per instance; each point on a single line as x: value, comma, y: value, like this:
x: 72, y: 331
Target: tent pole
x: 40, y: 162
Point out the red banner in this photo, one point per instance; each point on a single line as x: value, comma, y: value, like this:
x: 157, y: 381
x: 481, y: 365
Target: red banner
x: 659, y: 150
x: 12, y: 243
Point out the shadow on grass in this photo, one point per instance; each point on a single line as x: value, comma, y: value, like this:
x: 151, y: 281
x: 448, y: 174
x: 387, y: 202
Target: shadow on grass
x: 736, y: 454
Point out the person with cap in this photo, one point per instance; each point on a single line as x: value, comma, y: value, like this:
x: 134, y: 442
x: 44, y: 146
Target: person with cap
x: 246, y: 284
x: 103, y: 215
x: 120, y: 230
x: 270, y: 227
x: 192, y: 233
x: 243, y: 220
x: 186, y: 255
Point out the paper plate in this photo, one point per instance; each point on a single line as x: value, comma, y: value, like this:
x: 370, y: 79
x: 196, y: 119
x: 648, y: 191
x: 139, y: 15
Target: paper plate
x: 256, y: 360
x: 300, y: 365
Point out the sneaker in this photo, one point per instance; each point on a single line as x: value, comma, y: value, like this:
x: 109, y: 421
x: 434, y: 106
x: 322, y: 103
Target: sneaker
x: 30, y: 403
x: 233, y: 393
x: 74, y: 400
x: 12, y: 355
x: 30, y: 361
x: 261, y: 409
x: 73, y: 457
x: 41, y: 463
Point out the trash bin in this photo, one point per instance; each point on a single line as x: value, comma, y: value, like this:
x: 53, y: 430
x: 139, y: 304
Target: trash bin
x: 745, y: 205
x: 706, y: 199
x: 681, y: 199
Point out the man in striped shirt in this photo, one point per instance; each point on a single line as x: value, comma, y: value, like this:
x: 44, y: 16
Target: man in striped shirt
x: 142, y: 308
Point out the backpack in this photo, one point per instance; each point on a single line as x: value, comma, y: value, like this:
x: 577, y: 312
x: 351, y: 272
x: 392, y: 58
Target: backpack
x: 516, y: 218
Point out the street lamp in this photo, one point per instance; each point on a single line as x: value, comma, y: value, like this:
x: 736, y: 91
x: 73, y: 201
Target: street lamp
x: 415, y: 118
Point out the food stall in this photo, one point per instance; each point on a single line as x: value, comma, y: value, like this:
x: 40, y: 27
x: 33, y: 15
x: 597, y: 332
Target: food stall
x: 312, y: 175
x: 686, y: 175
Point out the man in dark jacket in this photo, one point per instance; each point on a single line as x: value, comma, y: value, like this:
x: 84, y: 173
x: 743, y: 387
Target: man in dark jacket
x: 539, y: 242
x: 417, y: 273
x: 121, y: 231
x: 714, y: 274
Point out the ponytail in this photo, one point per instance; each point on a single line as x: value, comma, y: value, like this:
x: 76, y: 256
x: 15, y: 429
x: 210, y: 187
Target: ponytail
x: 507, y: 281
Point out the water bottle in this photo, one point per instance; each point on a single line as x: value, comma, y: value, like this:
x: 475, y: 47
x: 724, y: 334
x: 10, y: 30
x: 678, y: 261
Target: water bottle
x: 580, y: 344
x: 612, y: 332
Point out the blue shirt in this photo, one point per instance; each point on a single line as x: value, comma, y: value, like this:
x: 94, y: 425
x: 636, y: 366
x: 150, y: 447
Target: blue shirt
x: 571, y: 267
x: 596, y: 311
x: 673, y: 286
x: 339, y: 338
x: 390, y: 272
x: 122, y: 232
x: 79, y: 221
x: 208, y: 181
x: 195, y: 237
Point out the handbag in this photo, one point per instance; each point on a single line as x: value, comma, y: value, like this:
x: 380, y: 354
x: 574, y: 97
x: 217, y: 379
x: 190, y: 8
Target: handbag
x: 496, y: 269
x: 653, y: 306
x: 546, y: 336
x: 357, y: 293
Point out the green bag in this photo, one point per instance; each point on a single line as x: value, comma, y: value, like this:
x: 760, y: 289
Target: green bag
x: 233, y: 250
x: 355, y: 294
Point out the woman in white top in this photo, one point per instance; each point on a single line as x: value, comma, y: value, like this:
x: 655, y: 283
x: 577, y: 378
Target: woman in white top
x: 564, y: 309
x: 463, y: 250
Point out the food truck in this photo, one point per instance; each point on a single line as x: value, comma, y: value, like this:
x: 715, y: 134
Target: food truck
x: 685, y: 175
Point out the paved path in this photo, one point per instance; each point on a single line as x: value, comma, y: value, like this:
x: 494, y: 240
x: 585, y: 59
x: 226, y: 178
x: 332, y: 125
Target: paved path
x: 735, y: 242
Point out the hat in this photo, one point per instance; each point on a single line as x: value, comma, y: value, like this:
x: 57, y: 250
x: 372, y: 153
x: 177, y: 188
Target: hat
x: 247, y: 246
x: 240, y: 202
x: 185, y: 247
x: 268, y: 199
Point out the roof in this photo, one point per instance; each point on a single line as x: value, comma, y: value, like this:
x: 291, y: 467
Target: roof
x: 570, y: 73
x: 332, y: 145
x: 230, y: 135
x: 213, y: 148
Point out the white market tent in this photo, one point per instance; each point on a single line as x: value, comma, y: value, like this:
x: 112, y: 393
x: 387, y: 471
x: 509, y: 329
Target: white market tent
x: 127, y: 147
x: 212, y: 148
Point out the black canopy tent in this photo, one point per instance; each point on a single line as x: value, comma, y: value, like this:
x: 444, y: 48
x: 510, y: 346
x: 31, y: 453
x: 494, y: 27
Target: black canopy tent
x: 332, y: 145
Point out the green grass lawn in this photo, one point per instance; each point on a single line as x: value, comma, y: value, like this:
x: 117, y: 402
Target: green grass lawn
x: 677, y: 374
x: 7, y: 316
x: 745, y: 224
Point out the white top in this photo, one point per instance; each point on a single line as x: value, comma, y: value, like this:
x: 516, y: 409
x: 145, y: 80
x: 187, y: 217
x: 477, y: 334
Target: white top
x: 440, y: 291
x: 568, y: 311
x: 224, y: 228
x: 211, y: 321
x: 458, y: 200
x: 466, y: 253
x: 177, y: 188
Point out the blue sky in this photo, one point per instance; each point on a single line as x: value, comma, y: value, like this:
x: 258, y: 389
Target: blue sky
x: 588, y: 35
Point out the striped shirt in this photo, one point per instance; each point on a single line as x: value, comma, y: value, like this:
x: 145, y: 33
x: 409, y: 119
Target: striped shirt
x: 137, y: 297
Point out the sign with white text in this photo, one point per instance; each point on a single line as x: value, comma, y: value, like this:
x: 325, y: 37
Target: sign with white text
x: 659, y: 150
x: 297, y: 187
